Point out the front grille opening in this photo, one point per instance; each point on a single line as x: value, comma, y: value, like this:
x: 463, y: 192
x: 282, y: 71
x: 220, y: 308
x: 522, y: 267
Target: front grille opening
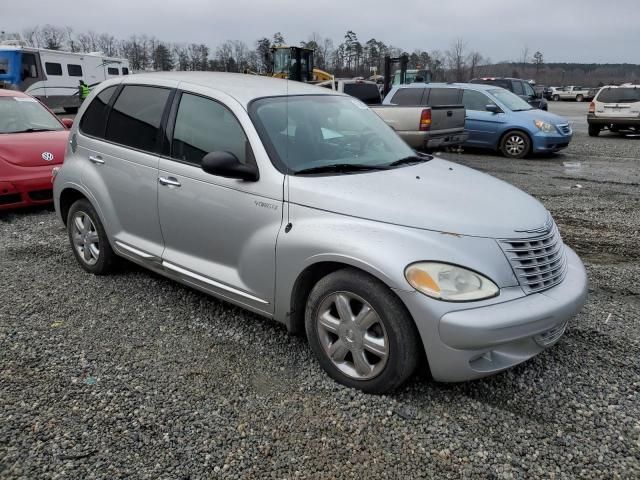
x: 539, y: 262
x: 41, y: 195
x: 9, y: 199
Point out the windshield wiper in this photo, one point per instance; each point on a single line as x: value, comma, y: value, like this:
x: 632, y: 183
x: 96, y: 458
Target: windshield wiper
x: 409, y: 160
x: 341, y: 168
x: 30, y: 130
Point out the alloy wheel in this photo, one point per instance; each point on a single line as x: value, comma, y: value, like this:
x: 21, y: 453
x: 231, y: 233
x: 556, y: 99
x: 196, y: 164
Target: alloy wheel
x: 85, y: 238
x: 352, y: 335
x: 515, y: 145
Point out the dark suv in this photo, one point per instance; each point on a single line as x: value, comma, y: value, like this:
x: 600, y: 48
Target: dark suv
x: 520, y: 87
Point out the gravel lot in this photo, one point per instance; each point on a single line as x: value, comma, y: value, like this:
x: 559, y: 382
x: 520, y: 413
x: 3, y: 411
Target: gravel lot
x: 133, y: 376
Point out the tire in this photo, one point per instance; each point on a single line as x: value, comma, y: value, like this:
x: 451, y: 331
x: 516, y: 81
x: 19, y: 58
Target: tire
x: 579, y: 98
x: 594, y: 130
x: 89, y: 241
x: 375, y: 354
x: 515, y: 144
x: 71, y: 109
x: 556, y: 98
x: 614, y: 129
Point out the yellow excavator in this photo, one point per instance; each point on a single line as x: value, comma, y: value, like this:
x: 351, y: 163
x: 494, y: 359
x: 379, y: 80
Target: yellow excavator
x: 296, y: 63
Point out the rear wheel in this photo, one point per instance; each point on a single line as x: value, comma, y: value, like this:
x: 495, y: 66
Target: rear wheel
x: 594, y: 130
x: 88, y: 239
x: 515, y: 145
x: 579, y: 98
x: 360, y: 332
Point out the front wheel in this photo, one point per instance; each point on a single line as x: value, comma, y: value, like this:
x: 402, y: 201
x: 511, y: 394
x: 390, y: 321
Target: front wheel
x: 88, y: 239
x: 594, y: 130
x: 515, y: 145
x: 556, y: 98
x: 579, y: 98
x: 360, y: 332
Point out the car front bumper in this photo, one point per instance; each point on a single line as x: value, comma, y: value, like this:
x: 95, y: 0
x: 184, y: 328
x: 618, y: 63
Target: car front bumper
x: 475, y: 342
x: 545, y: 142
x: 26, y: 190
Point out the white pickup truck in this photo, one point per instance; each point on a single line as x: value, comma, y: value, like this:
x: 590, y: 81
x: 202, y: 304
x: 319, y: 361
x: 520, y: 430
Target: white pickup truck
x: 579, y: 94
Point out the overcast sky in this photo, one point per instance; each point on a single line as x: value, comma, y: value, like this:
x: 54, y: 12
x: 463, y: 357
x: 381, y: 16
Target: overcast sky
x: 564, y: 31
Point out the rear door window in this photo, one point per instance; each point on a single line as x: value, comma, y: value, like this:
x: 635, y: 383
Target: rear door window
x: 619, y: 95
x: 53, y: 68
x: 94, y: 120
x: 444, y: 96
x: 202, y: 126
x: 408, y: 96
x: 136, y: 115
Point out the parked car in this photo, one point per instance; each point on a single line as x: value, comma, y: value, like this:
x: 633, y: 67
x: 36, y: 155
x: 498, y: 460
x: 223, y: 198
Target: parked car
x: 32, y: 143
x: 520, y: 87
x: 499, y: 120
x: 300, y: 204
x: 579, y: 94
x: 550, y: 91
x: 425, y: 116
x: 616, y: 109
x: 364, y: 90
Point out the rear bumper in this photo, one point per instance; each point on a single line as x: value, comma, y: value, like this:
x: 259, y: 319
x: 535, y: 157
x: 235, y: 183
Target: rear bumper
x: 24, y: 192
x: 422, y: 140
x: 626, y: 121
x: 476, y: 342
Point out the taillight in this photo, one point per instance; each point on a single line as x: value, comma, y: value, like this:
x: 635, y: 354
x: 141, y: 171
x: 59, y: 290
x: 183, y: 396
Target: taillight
x: 425, y: 120
x: 592, y: 107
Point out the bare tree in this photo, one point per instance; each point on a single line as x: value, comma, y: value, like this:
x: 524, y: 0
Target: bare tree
x: 107, y: 44
x: 52, y: 37
x: 525, y: 57
x: 475, y: 60
x: 31, y: 35
x: 71, y: 41
x: 456, y: 59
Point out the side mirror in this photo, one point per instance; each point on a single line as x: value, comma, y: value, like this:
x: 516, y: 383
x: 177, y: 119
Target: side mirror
x: 67, y: 122
x: 493, y: 108
x: 226, y: 164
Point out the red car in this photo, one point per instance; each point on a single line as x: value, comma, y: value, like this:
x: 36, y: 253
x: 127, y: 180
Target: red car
x: 32, y: 143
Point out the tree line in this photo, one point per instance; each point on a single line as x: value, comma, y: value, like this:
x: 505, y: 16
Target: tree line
x: 351, y: 57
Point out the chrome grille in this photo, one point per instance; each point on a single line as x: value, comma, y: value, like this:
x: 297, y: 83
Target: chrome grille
x: 538, y: 262
x: 550, y: 336
x: 565, y: 128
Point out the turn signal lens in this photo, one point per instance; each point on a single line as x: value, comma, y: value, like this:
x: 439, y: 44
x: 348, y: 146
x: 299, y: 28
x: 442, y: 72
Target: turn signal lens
x: 449, y: 282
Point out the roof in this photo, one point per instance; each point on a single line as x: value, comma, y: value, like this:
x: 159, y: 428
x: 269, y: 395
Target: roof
x: 11, y: 93
x: 243, y: 87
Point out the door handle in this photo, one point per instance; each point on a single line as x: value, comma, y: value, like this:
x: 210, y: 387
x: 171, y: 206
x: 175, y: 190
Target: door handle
x: 96, y: 159
x: 170, y: 181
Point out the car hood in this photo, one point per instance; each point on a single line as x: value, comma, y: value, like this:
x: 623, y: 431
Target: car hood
x: 31, y: 149
x: 548, y: 117
x: 437, y: 195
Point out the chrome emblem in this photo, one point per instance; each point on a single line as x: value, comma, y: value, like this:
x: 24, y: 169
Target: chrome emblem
x: 47, y: 156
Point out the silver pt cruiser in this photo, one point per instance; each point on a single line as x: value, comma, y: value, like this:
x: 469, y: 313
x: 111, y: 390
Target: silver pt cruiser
x: 301, y: 205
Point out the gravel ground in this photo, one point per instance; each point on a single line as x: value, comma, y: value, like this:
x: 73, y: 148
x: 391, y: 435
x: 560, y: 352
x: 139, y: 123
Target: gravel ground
x: 133, y: 376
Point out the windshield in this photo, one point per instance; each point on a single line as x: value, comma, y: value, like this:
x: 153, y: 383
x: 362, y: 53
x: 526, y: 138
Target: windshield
x: 510, y: 100
x: 23, y: 114
x: 312, y: 131
x: 619, y: 95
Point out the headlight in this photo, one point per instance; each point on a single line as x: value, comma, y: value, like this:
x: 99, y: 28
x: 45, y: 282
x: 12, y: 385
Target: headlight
x: 544, y: 126
x: 448, y: 282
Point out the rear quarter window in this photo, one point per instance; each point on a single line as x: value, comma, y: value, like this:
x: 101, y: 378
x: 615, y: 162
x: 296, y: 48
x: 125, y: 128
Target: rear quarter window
x: 135, y: 118
x: 408, y: 96
x: 94, y: 120
x: 444, y: 96
x: 619, y: 95
x: 53, y: 68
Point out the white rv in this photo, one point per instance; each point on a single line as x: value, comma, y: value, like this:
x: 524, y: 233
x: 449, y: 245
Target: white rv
x: 53, y: 76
